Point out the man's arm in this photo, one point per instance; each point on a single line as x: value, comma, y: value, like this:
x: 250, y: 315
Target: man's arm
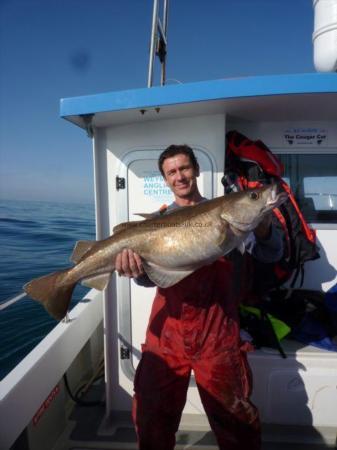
x: 266, y: 243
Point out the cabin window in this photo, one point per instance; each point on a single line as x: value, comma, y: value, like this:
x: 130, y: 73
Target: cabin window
x: 313, y: 179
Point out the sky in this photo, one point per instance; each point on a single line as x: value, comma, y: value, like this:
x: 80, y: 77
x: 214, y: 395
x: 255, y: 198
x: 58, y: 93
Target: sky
x: 52, y: 49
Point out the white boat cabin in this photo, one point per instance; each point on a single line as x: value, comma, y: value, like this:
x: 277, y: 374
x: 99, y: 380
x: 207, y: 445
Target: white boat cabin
x: 296, y: 117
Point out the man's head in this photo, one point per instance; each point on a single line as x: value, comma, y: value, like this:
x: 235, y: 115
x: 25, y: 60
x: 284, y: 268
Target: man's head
x: 174, y: 150
x: 180, y: 169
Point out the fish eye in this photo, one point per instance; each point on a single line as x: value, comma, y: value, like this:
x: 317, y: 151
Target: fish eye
x: 254, y: 195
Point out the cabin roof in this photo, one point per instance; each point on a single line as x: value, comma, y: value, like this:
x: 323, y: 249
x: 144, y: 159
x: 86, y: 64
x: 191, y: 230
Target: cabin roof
x: 310, y: 96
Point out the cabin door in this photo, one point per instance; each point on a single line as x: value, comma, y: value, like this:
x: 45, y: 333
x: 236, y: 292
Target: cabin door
x: 145, y: 192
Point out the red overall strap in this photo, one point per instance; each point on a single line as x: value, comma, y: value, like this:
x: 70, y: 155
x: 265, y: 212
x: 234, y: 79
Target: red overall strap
x: 281, y: 219
x: 246, y: 184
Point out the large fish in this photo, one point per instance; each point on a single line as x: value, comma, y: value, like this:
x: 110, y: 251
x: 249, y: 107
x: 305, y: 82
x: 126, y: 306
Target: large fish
x: 171, y: 246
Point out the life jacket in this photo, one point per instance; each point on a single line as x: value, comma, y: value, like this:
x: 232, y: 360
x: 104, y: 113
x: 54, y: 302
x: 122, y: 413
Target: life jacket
x: 311, y: 315
x: 251, y: 164
x: 305, y: 315
x: 265, y: 329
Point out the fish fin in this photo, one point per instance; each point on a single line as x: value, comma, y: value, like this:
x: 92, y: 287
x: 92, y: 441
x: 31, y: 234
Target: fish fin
x: 50, y: 291
x: 80, y: 249
x: 162, y: 211
x: 125, y: 226
x: 147, y: 215
x: 164, y: 277
x: 120, y: 227
x: 242, y: 248
x: 98, y: 282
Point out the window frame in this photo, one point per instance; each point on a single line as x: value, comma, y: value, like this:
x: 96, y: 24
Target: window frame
x: 327, y: 220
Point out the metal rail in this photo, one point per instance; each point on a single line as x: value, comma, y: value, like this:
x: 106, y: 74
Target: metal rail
x: 10, y: 301
x: 6, y: 303
x: 158, y: 44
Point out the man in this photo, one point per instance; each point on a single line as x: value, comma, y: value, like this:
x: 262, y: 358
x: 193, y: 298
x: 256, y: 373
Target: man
x: 194, y: 325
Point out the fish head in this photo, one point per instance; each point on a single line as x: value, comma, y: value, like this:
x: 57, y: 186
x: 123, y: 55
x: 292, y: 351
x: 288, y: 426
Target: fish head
x: 244, y: 210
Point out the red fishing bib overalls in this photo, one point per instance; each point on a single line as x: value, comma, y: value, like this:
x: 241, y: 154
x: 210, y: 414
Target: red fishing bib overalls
x: 194, y: 326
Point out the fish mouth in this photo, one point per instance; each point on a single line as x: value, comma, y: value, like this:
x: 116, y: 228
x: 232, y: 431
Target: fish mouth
x: 276, y: 200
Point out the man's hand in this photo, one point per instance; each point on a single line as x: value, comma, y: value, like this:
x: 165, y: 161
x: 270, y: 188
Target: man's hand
x: 263, y: 230
x: 129, y: 264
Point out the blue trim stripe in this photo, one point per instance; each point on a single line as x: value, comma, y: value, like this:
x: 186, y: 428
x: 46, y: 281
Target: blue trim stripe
x: 199, y: 92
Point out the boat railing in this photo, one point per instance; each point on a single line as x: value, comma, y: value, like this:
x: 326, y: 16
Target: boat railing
x: 10, y: 301
x: 48, y: 361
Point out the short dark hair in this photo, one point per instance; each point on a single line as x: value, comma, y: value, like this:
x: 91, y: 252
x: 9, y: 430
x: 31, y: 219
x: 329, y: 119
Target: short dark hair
x: 174, y: 150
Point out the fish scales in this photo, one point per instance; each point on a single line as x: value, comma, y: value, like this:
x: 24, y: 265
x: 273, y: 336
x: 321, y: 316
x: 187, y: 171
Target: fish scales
x: 180, y: 244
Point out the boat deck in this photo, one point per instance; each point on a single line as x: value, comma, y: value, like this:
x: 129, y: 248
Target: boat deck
x: 88, y: 430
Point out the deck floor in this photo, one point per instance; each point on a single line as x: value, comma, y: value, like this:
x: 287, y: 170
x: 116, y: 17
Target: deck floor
x: 86, y: 431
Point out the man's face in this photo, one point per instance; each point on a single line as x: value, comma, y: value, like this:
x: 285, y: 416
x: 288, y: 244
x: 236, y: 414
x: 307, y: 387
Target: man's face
x: 180, y: 175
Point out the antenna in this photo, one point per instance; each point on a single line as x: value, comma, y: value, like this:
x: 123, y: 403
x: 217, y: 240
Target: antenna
x: 158, y: 41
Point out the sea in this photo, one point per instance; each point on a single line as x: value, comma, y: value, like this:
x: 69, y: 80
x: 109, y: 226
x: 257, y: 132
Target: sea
x: 36, y: 238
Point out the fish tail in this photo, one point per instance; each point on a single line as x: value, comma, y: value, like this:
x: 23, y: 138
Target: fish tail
x: 52, y: 293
